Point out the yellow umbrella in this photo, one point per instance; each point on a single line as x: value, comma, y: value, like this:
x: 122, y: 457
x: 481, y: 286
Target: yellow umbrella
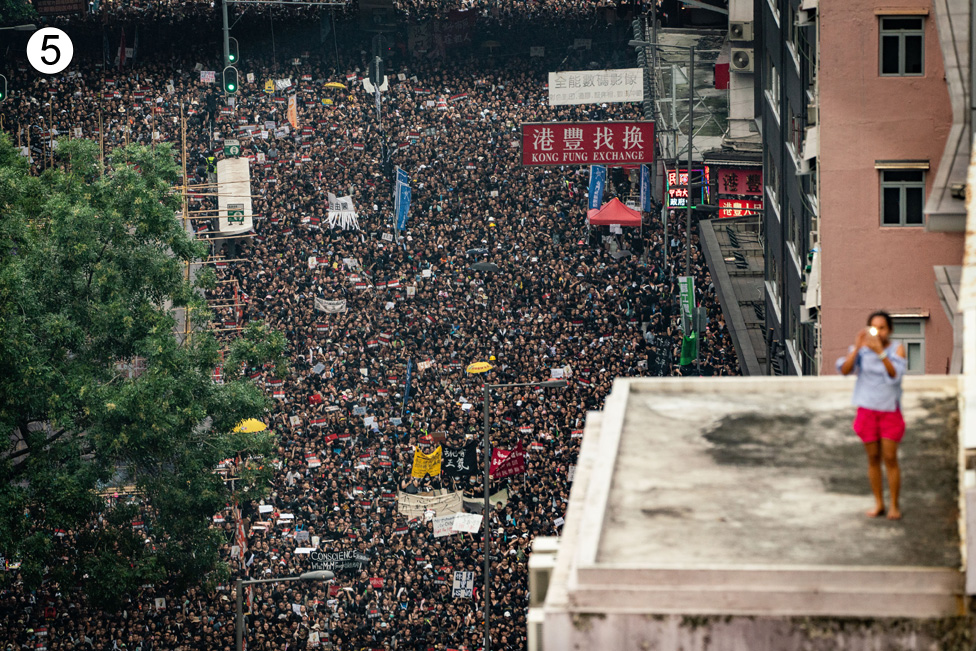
x: 335, y: 84
x: 479, y: 367
x: 250, y: 426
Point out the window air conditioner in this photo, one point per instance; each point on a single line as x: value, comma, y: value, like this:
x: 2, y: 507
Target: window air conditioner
x: 743, y: 60
x: 740, y: 30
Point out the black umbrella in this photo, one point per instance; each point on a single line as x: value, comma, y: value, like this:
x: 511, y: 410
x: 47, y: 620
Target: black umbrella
x: 479, y: 251
x: 485, y: 266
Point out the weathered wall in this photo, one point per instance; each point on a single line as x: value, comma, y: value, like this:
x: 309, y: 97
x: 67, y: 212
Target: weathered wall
x: 709, y: 633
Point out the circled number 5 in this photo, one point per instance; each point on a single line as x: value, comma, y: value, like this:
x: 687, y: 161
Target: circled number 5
x: 50, y: 46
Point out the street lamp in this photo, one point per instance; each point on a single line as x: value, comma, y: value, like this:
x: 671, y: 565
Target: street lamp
x: 691, y: 132
x: 20, y: 28
x: 317, y: 575
x: 552, y: 384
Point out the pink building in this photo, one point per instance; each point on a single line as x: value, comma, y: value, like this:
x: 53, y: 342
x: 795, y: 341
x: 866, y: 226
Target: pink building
x: 892, y: 119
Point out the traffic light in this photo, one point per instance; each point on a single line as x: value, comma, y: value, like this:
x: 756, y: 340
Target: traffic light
x: 230, y: 80
x: 3, y: 88
x: 233, y: 51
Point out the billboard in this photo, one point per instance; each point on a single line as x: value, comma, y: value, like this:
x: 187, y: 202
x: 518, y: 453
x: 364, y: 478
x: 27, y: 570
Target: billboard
x: 746, y: 181
x: 587, y: 143
x: 234, y: 196
x: 739, y: 207
x: 677, y: 187
x: 596, y: 86
x: 59, y: 7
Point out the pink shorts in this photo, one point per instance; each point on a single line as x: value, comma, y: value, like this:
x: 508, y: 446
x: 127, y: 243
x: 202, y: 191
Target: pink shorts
x: 871, y: 425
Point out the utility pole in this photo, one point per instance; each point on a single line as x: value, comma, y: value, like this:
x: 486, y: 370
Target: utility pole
x: 691, y: 155
x: 223, y: 10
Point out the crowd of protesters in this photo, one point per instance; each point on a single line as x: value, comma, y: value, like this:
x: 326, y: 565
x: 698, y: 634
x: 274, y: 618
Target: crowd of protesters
x: 589, y: 304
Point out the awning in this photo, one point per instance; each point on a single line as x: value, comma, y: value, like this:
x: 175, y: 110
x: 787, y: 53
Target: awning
x: 614, y: 212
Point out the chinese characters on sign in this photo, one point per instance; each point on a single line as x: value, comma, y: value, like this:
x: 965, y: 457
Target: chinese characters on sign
x: 678, y: 188
x: 740, y: 182
x: 733, y: 185
x: 595, y: 86
x: 587, y: 143
x: 738, y: 207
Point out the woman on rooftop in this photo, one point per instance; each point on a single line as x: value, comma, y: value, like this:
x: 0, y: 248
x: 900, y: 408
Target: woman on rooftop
x: 879, y: 364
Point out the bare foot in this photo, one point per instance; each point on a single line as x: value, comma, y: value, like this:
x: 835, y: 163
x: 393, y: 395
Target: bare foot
x: 877, y: 511
x: 894, y: 514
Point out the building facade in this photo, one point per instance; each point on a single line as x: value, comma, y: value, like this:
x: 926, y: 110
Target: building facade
x: 856, y: 107
x: 786, y: 77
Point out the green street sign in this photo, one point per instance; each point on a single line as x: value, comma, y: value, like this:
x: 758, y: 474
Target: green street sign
x: 686, y: 293
x: 235, y: 214
x: 232, y: 148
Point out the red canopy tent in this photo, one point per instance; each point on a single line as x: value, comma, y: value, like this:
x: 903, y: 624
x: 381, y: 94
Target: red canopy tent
x: 614, y: 212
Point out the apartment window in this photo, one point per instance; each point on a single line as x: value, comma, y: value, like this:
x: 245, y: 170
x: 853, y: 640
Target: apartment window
x: 796, y: 131
x: 902, y: 46
x: 771, y: 175
x: 773, y: 279
x: 795, y: 230
x: 772, y: 85
x: 902, y: 197
x: 911, y: 334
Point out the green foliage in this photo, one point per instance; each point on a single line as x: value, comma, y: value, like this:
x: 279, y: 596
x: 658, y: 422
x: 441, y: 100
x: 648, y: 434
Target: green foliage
x: 91, y: 263
x: 16, y: 10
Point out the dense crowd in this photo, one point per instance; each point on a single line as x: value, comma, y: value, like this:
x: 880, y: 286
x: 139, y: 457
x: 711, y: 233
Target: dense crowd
x: 585, y: 303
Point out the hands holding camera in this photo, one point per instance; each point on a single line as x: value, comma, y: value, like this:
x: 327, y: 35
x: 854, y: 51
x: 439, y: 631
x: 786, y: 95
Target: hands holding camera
x: 869, y: 337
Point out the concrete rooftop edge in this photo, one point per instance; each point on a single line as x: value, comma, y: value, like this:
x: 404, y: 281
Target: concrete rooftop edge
x: 581, y: 583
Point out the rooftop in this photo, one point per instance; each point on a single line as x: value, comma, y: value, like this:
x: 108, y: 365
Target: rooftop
x: 746, y: 496
x: 718, y: 476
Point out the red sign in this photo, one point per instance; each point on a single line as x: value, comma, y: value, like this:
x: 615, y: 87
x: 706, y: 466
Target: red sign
x: 740, y: 181
x: 587, y: 143
x: 738, y: 207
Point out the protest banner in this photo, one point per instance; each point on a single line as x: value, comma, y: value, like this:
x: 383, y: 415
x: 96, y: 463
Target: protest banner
x: 341, y: 560
x: 477, y: 505
x: 505, y: 463
x: 460, y: 462
x: 413, y: 506
x: 330, y: 307
x: 426, y: 464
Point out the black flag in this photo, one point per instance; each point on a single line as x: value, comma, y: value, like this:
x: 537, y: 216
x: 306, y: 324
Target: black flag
x: 460, y: 462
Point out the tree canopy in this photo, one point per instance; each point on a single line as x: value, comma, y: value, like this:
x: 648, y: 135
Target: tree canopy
x: 14, y: 10
x: 92, y: 263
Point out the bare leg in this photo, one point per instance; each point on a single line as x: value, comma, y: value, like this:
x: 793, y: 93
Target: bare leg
x: 889, y: 452
x: 874, y: 477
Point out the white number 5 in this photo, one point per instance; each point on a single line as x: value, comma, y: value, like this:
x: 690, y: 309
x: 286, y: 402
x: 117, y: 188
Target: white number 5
x: 50, y: 50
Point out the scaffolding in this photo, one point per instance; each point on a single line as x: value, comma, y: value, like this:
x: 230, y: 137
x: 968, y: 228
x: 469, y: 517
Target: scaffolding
x: 669, y: 88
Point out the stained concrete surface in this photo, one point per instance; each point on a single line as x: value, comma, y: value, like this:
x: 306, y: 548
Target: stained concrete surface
x: 776, y: 477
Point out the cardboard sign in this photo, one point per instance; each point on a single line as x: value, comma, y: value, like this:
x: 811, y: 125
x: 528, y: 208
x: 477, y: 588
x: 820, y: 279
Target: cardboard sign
x: 444, y: 525
x: 463, y: 586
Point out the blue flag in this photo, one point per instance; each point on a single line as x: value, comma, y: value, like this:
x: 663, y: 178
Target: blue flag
x: 645, y: 188
x: 598, y: 181
x: 402, y: 181
x: 403, y: 205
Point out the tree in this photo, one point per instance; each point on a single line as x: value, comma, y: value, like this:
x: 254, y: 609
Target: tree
x: 92, y: 261
x: 16, y: 10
